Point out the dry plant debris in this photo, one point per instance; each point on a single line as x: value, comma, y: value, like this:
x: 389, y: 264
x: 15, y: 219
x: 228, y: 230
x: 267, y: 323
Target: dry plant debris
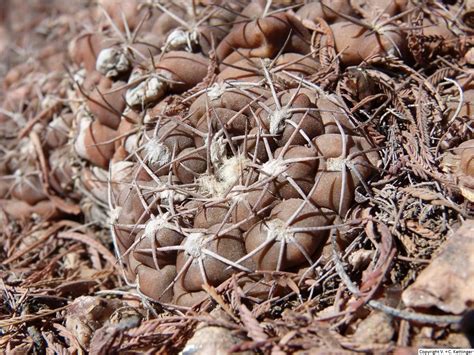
x: 454, y: 263
x: 280, y: 176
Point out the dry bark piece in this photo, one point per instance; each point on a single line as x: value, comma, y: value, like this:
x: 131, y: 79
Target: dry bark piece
x: 455, y: 263
x: 375, y: 329
x: 5, y: 185
x: 212, y: 340
x: 87, y: 314
x: 276, y: 246
x: 469, y: 56
x: 15, y: 74
x: 466, y: 150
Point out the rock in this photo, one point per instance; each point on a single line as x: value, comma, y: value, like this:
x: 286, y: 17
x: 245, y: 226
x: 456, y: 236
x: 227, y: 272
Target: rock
x: 448, y: 282
x: 87, y: 314
x: 211, y: 340
x: 375, y: 329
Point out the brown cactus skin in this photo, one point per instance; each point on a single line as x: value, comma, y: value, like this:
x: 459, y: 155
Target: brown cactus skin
x: 152, y: 282
x: 330, y: 182
x: 268, y: 257
x: 250, y: 145
x: 311, y: 123
x: 235, y: 122
x: 263, y: 38
x: 131, y: 212
x: 356, y: 44
x: 57, y: 131
x: 184, y: 298
x: 229, y: 246
x: 189, y: 165
x: 327, y: 10
x: 29, y: 188
x: 85, y: 48
x: 251, y: 203
x: 302, y: 173
x: 209, y: 117
x: 208, y: 216
x: 186, y: 69
x: 332, y: 114
x: 165, y: 237
x: 95, y: 143
x: 226, y: 98
x: 106, y: 103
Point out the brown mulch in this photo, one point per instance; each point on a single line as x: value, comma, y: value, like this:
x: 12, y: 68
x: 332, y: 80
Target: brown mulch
x: 62, y: 290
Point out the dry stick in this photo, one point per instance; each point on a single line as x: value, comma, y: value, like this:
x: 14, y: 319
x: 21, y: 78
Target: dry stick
x: 202, y: 271
x: 414, y: 316
x: 42, y: 115
x: 91, y: 242
x: 407, y: 315
x: 340, y: 267
x: 46, y: 234
x: 456, y: 113
x: 39, y: 275
x: 28, y: 318
x: 35, y: 139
